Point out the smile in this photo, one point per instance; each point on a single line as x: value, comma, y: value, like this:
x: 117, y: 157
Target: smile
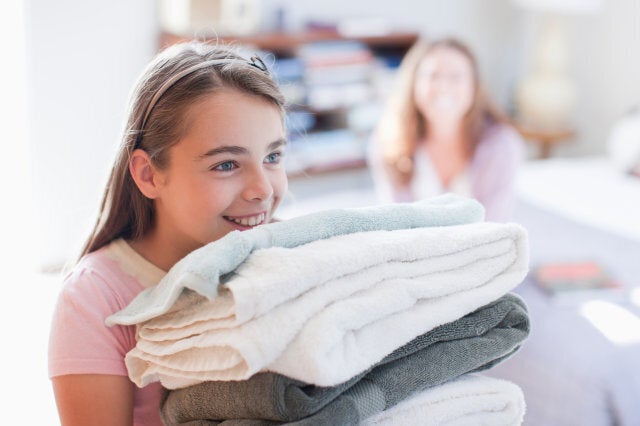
x: 247, y: 220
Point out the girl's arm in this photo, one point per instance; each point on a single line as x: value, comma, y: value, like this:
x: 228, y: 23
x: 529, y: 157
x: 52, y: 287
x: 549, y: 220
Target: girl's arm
x: 94, y: 399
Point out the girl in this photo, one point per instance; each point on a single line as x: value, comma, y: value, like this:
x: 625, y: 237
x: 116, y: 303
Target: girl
x: 200, y: 157
x: 440, y: 133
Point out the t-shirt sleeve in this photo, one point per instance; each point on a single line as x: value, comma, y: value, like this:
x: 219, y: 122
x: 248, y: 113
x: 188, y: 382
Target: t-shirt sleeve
x: 79, y: 341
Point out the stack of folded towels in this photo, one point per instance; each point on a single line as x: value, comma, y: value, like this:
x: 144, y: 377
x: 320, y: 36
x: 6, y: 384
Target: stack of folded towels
x: 376, y: 315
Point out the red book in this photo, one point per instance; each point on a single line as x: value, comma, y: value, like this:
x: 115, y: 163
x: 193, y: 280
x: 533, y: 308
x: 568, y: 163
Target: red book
x: 572, y: 276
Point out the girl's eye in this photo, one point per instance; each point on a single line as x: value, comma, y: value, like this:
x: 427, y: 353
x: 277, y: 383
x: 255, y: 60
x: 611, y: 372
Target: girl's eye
x: 273, y: 158
x: 225, y: 166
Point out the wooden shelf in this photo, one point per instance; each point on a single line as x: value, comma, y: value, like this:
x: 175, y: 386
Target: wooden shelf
x: 287, y: 43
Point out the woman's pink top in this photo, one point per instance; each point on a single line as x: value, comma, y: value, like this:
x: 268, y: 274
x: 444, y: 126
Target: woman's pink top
x: 489, y: 177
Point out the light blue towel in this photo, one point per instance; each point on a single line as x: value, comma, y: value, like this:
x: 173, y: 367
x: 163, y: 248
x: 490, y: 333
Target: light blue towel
x: 202, y: 269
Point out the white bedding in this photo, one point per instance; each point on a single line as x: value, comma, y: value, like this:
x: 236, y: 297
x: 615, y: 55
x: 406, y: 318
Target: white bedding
x: 581, y: 363
x: 572, y: 370
x: 589, y: 190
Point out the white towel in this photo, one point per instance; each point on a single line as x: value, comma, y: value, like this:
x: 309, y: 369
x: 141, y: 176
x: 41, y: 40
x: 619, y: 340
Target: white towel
x: 328, y: 310
x: 203, y: 269
x: 469, y: 401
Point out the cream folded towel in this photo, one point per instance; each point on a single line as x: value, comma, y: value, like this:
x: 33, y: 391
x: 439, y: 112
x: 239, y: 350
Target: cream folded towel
x: 328, y: 310
x: 469, y: 401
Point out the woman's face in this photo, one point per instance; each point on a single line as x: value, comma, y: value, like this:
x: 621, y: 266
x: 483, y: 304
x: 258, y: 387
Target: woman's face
x: 225, y: 174
x: 444, y: 86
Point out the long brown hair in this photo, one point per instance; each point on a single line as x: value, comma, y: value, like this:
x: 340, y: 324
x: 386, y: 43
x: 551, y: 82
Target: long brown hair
x: 125, y: 212
x: 402, y: 125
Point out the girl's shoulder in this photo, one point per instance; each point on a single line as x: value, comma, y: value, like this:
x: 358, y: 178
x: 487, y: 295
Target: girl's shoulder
x: 113, y: 271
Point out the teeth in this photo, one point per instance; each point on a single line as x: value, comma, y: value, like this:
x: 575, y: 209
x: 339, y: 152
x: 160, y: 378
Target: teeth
x: 249, y: 221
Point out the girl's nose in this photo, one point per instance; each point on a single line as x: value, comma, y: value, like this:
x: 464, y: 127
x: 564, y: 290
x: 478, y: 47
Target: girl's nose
x: 258, y: 187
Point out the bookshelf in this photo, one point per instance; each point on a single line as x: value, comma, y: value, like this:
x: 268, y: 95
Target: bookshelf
x: 335, y: 88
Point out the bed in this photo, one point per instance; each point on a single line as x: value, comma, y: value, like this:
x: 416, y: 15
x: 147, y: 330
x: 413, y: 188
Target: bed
x: 581, y: 363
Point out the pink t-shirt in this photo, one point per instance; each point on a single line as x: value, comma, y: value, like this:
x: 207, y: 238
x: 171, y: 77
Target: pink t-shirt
x: 102, y: 283
x: 489, y: 177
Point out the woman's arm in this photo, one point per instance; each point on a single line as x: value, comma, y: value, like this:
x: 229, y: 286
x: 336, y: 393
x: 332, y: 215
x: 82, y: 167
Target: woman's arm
x: 386, y: 189
x: 498, y: 160
x: 94, y: 399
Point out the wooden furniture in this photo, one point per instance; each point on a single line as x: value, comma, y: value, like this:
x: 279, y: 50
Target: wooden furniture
x: 546, y: 139
x: 286, y: 44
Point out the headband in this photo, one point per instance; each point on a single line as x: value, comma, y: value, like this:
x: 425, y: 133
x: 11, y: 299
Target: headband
x: 254, y: 61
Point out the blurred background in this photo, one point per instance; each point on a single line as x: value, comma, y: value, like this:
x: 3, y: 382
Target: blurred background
x: 81, y: 59
x: 69, y: 65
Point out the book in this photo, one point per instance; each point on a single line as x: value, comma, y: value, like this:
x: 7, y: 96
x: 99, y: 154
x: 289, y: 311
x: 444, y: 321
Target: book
x: 573, y: 277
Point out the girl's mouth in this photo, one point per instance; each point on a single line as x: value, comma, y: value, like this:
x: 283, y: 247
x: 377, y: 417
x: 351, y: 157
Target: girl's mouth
x: 247, y: 222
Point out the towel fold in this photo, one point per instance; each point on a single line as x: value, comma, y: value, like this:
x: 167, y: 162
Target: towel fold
x: 469, y: 401
x: 269, y: 278
x: 359, y: 297
x: 474, y: 342
x: 202, y: 269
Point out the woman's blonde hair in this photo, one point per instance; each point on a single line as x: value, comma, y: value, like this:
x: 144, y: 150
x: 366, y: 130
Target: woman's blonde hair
x: 176, y: 78
x: 402, y: 125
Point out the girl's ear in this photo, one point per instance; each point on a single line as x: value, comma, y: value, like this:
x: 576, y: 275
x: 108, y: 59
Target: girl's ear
x: 144, y: 174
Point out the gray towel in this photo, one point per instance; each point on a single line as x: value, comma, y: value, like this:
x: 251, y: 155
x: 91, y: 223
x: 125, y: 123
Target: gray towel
x: 472, y: 343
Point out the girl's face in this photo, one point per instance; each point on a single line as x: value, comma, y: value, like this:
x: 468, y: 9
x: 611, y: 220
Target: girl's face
x: 444, y: 86
x: 226, y: 173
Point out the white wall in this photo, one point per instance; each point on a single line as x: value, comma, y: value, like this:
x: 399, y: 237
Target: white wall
x: 83, y: 57
x: 15, y: 185
x: 606, y: 63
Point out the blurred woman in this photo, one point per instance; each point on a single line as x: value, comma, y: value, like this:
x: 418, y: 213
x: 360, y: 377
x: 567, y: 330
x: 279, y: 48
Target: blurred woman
x: 440, y: 133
